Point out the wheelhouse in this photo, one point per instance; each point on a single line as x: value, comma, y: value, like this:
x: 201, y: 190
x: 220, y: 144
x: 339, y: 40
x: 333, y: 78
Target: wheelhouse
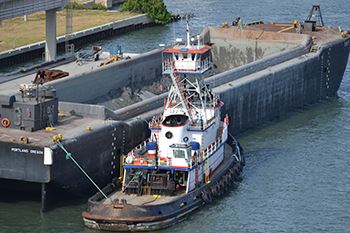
x: 193, y: 60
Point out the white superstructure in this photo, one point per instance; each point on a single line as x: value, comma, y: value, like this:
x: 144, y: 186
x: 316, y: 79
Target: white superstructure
x: 187, y: 140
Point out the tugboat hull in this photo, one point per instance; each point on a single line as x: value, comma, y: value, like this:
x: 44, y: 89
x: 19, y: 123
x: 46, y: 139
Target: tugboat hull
x: 146, y: 216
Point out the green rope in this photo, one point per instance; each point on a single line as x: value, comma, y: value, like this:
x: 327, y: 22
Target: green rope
x: 69, y: 156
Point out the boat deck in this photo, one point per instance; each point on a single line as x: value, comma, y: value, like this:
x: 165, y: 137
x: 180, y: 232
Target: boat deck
x: 141, y: 200
x: 134, y: 199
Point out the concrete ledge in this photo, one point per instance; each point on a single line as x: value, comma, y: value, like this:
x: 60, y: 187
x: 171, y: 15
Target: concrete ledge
x: 87, y: 110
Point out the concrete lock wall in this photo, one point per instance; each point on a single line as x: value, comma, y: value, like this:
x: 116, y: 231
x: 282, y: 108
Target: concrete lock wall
x: 136, y: 72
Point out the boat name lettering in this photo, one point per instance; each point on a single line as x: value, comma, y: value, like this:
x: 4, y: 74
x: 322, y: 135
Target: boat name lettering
x: 27, y: 151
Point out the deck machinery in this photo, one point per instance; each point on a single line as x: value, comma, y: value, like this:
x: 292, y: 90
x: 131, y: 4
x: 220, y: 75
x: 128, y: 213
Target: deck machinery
x: 32, y: 109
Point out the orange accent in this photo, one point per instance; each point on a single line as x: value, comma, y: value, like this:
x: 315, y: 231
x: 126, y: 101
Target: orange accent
x: 139, y: 161
x: 205, y: 49
x: 5, y: 122
x: 179, y: 166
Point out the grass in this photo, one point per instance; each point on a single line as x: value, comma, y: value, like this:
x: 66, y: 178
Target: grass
x: 15, y: 32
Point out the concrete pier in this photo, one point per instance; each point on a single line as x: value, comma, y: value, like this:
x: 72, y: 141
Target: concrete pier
x: 50, y: 27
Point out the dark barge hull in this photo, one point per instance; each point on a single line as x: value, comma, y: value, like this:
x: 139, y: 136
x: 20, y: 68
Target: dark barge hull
x: 98, y: 152
x: 128, y: 217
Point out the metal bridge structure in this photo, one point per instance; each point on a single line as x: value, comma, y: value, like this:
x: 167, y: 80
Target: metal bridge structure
x: 14, y: 8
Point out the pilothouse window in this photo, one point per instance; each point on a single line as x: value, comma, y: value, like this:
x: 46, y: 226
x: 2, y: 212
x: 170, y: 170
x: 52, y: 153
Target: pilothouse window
x: 179, y: 154
x: 175, y: 120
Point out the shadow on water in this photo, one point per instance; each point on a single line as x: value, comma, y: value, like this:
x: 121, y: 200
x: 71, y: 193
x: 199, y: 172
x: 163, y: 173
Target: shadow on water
x: 17, y: 192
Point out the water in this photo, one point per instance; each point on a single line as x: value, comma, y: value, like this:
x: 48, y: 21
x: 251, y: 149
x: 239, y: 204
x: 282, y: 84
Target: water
x: 297, y: 173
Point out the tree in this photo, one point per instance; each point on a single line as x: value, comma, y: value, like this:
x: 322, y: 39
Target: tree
x: 155, y: 9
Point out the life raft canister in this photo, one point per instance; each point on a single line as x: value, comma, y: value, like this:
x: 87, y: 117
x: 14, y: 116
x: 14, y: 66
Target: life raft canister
x: 5, y: 122
x: 151, y: 148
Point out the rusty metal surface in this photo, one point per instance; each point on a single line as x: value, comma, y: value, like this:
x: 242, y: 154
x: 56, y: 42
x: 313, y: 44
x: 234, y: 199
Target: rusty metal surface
x: 44, y: 76
x: 321, y: 35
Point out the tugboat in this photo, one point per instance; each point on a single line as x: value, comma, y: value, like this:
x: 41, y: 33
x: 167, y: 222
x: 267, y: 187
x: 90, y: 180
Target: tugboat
x: 188, y: 160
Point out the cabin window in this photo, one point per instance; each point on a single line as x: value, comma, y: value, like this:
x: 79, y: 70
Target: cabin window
x: 175, y: 120
x: 193, y: 56
x: 176, y: 56
x: 179, y: 154
x: 185, y: 55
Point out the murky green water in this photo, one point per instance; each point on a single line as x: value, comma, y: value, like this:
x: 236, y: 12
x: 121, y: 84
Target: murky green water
x: 297, y: 174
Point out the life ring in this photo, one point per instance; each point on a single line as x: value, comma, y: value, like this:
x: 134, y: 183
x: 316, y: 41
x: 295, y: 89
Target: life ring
x: 5, y: 122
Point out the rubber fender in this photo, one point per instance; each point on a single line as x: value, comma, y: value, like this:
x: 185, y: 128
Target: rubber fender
x: 242, y: 154
x: 227, y: 179
x: 207, y: 196
x: 223, y: 185
x: 217, y: 190
x: 233, y: 175
x: 237, y: 172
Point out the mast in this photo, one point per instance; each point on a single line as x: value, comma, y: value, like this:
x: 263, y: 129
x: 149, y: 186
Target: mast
x: 178, y: 90
x: 188, y: 32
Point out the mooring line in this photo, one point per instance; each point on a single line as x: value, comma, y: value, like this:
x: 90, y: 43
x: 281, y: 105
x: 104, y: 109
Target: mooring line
x: 69, y: 156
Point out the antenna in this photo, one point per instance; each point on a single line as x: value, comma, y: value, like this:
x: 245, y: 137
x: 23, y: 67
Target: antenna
x: 198, y: 41
x: 188, y: 32
x: 174, y: 33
